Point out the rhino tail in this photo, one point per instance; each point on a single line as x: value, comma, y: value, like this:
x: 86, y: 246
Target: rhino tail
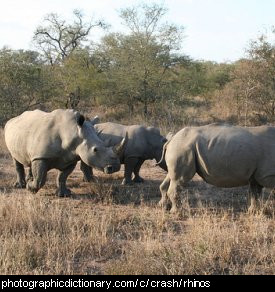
x: 163, y: 152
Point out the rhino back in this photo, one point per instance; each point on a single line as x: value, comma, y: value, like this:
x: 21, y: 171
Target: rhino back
x: 226, y: 156
x: 137, y: 145
x: 36, y: 134
x: 111, y: 132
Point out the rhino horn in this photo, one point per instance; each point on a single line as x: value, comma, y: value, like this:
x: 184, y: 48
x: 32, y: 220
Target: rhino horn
x: 119, y: 148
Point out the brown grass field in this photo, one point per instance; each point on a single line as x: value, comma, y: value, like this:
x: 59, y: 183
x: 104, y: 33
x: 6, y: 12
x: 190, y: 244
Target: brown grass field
x: 107, y: 228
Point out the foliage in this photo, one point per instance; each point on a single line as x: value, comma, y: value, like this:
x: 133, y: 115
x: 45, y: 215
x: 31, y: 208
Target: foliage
x: 78, y: 80
x: 141, y: 70
x: 137, y: 64
x: 24, y: 82
x: 263, y: 76
x: 250, y: 94
x: 201, y: 78
x: 134, y: 75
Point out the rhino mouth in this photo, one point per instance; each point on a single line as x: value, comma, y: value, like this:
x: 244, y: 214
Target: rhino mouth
x: 111, y: 168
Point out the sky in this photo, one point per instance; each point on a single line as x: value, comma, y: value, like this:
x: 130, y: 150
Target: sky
x: 216, y: 30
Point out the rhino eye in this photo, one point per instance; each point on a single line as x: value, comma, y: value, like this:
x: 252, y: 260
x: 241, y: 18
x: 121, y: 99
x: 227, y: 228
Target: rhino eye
x: 95, y: 149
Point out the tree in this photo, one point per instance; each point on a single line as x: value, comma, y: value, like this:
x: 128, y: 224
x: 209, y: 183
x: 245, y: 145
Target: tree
x: 138, y: 63
x: 239, y: 93
x: 57, y: 39
x: 24, y: 82
x: 252, y: 88
x: 202, y: 78
x: 262, y: 73
x: 77, y: 78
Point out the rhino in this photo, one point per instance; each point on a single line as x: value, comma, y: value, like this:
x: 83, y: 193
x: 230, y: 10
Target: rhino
x: 40, y: 141
x: 222, y: 155
x: 143, y: 143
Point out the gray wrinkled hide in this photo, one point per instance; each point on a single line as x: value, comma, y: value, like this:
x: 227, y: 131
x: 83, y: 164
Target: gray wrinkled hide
x: 143, y: 143
x: 59, y: 139
x: 224, y: 156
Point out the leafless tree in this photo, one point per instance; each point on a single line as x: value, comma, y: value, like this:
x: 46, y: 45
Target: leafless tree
x: 57, y: 39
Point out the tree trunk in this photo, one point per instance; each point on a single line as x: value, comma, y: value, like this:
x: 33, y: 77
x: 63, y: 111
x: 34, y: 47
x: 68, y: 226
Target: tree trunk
x: 145, y: 108
x: 73, y: 99
x: 131, y: 108
x: 145, y: 101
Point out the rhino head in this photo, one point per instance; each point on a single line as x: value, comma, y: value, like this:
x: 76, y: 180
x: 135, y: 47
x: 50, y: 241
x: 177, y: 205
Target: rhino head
x: 93, y: 151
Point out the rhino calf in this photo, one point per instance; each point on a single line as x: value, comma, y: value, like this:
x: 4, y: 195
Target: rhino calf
x: 43, y: 141
x: 143, y: 143
x: 224, y: 156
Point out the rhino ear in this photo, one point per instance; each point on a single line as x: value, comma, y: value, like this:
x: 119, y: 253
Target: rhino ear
x: 95, y: 120
x: 164, y: 140
x: 169, y: 136
x: 80, y: 120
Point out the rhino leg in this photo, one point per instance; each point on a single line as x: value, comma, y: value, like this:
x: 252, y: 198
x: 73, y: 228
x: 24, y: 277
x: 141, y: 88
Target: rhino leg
x: 29, y: 174
x: 62, y: 176
x: 173, y: 194
x: 164, y: 202
x: 20, y: 173
x: 130, y: 163
x: 39, y: 174
x: 254, y: 191
x: 180, y: 172
x: 137, y: 177
x: 87, y: 172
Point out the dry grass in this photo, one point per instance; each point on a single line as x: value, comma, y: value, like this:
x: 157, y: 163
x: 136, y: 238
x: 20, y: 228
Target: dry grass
x: 105, y: 228
x: 208, y: 244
